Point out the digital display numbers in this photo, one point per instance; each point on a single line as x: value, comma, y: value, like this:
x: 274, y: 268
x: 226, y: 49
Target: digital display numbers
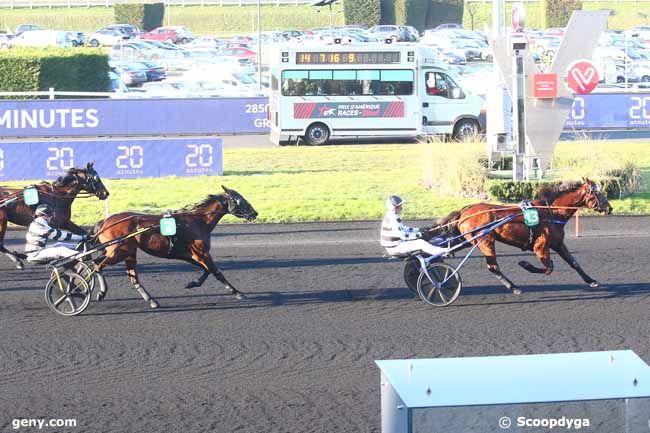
x: 348, y: 58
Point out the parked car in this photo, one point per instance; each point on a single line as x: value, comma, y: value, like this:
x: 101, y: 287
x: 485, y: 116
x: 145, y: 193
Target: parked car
x: 449, y: 26
x: 205, y: 43
x: 129, y: 29
x: 106, y: 37
x: 410, y: 34
x: 387, y: 32
x: 169, y: 89
x: 42, y: 39
x: 5, y: 41
x: 27, y: 28
x: 240, y: 53
x: 154, y: 71
x: 77, y: 38
x: 161, y: 34
x: 132, y: 73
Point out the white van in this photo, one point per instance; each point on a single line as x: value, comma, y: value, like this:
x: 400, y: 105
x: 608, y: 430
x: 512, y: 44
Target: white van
x: 42, y: 39
x: 399, y: 90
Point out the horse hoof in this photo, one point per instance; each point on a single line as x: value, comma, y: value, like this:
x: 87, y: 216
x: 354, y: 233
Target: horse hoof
x: 593, y: 284
x: 191, y: 285
x: 100, y: 295
x: 20, y: 266
x: 516, y: 291
x: 240, y: 296
x: 153, y: 304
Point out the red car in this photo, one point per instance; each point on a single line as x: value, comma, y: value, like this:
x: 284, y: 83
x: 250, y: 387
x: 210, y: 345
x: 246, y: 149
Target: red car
x: 161, y: 34
x: 240, y: 53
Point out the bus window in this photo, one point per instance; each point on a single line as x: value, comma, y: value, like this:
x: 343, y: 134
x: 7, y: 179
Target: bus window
x: 399, y: 82
x: 439, y: 84
x: 347, y: 82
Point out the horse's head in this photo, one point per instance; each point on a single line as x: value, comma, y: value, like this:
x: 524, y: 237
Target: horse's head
x: 86, y: 179
x: 238, y: 206
x: 593, y: 198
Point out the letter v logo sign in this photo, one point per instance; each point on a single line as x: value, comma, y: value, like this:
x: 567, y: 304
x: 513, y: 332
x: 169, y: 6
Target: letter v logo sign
x: 582, y: 76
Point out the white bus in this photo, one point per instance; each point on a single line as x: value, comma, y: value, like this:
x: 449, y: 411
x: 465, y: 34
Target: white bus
x: 399, y: 90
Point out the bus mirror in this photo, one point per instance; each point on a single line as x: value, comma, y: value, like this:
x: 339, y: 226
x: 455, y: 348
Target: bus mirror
x: 457, y: 93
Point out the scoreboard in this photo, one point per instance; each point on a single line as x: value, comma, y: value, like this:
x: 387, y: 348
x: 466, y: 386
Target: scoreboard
x: 347, y: 57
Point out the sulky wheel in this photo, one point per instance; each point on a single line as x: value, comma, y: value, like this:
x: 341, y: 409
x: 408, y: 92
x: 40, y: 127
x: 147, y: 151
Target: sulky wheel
x: 447, y: 284
x: 411, y: 273
x: 67, y: 293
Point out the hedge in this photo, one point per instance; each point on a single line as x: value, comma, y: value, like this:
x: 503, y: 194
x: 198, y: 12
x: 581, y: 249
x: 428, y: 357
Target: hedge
x: 556, y: 13
x: 146, y: 16
x: 427, y: 14
x: 513, y: 192
x: 366, y: 12
x: 32, y: 69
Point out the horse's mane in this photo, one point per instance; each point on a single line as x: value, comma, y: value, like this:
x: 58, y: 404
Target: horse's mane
x: 206, y: 201
x: 66, y: 179
x: 551, y: 192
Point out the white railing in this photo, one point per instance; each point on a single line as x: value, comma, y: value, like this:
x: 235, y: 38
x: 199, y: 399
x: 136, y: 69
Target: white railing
x: 108, y: 3
x: 52, y: 94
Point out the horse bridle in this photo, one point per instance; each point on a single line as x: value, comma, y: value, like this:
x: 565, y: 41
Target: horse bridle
x: 593, y: 192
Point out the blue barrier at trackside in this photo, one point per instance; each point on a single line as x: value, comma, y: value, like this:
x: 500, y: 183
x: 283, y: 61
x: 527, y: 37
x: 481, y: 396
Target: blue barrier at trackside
x: 212, y: 116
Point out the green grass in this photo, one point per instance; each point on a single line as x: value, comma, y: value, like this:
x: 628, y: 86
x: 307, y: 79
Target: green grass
x: 208, y: 20
x: 330, y: 183
x: 626, y: 14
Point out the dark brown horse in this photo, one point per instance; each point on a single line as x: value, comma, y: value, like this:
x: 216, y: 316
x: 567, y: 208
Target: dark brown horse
x: 191, y: 243
x: 555, y: 205
x: 59, y: 195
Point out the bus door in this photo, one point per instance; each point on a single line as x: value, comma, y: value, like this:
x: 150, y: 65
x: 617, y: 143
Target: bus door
x: 443, y: 101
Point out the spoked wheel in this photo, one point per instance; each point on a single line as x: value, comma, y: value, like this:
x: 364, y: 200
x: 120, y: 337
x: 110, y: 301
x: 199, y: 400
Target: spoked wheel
x: 446, y: 288
x: 411, y: 273
x: 67, y: 294
x: 94, y: 279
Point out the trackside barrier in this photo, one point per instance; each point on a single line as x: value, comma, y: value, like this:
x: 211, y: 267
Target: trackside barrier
x: 114, y: 158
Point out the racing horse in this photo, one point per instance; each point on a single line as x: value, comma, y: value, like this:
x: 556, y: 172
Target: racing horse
x: 59, y: 195
x: 190, y: 244
x: 556, y: 205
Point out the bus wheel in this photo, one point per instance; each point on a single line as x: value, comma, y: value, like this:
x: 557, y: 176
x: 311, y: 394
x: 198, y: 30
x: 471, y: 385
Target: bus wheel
x: 466, y: 129
x: 317, y: 134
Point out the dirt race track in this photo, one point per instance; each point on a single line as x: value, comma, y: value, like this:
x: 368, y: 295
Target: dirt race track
x: 298, y: 354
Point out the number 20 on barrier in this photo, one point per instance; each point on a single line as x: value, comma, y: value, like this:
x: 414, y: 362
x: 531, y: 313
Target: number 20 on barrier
x: 200, y: 155
x: 61, y: 158
x: 131, y: 157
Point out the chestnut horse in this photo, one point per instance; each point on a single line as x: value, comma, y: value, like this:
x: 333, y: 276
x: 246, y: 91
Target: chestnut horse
x: 191, y: 242
x: 556, y: 205
x: 59, y: 195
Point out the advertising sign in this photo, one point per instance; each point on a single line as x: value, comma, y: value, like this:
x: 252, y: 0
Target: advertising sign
x: 113, y: 158
x: 610, y: 111
x: 545, y: 86
x: 582, y: 77
x: 116, y: 117
x: 338, y: 110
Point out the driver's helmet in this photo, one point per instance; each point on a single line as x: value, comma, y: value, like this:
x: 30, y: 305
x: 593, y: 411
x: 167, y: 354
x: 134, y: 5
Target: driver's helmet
x: 44, y: 210
x: 393, y: 202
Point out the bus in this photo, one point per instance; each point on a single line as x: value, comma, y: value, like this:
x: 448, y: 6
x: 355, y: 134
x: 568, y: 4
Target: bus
x: 357, y: 90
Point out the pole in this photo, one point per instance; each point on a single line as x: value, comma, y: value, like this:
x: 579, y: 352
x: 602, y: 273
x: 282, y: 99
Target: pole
x: 625, y: 59
x: 259, y: 43
x: 518, y: 166
x: 331, y: 18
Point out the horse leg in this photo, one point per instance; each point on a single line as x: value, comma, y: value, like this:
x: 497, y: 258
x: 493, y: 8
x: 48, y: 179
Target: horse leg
x: 543, y: 254
x: 203, y: 259
x: 200, y: 281
x: 563, y: 251
x: 3, y: 229
x: 131, y: 272
x: 487, y: 248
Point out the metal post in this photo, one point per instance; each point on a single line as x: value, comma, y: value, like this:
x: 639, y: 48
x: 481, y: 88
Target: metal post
x: 499, y: 116
x: 395, y: 416
x: 518, y: 163
x: 51, y: 94
x: 625, y: 59
x: 259, y: 43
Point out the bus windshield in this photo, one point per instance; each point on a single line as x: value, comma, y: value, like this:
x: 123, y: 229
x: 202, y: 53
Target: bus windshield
x: 328, y: 82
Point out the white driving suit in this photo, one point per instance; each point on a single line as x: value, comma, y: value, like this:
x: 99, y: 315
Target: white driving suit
x: 399, y: 239
x: 37, y: 236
